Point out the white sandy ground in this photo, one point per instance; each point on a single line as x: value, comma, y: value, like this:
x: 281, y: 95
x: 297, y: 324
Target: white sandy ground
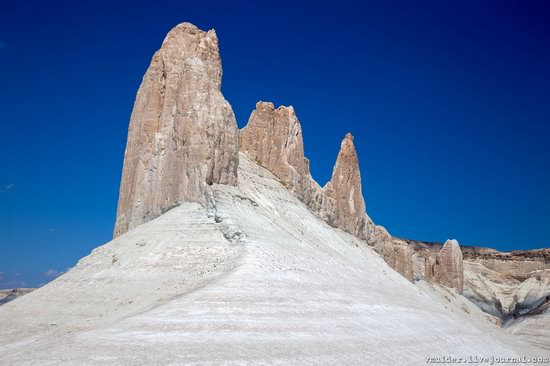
x: 258, y: 280
x: 535, y: 329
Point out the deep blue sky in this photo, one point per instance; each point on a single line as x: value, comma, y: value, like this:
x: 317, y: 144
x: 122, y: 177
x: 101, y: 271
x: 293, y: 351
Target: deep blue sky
x: 449, y: 102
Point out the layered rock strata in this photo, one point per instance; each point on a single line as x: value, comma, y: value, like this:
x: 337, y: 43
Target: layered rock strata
x: 183, y: 134
x: 398, y: 254
x: 507, y: 285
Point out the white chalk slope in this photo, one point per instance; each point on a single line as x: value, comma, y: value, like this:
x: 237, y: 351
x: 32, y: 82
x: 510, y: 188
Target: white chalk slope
x: 258, y: 279
x: 534, y: 328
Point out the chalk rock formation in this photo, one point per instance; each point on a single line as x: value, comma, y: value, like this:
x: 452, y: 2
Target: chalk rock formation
x: 508, y: 285
x: 265, y: 283
x: 397, y: 254
x: 346, y: 206
x: 273, y: 139
x: 429, y: 263
x: 182, y: 135
x: 449, y: 268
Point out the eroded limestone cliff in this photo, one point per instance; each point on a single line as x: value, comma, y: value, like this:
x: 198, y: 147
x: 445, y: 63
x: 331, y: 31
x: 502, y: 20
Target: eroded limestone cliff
x: 507, y: 285
x: 183, y: 134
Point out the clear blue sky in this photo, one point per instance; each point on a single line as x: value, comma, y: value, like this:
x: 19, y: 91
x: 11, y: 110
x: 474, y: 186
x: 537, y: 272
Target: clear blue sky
x: 449, y: 102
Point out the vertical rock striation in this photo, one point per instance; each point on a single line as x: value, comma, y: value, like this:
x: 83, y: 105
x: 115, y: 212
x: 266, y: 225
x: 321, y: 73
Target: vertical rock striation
x: 448, y: 269
x: 346, y: 206
x: 273, y: 138
x: 429, y: 263
x: 183, y: 137
x: 183, y: 134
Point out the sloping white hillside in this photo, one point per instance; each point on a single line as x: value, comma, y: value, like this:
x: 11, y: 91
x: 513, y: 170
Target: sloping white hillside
x: 255, y: 279
x: 534, y: 328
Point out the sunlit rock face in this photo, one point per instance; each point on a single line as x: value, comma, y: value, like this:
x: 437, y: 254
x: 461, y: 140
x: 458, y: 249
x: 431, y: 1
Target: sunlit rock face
x: 345, y: 206
x: 449, y: 268
x: 397, y: 254
x: 273, y: 139
x: 182, y: 135
x: 429, y: 263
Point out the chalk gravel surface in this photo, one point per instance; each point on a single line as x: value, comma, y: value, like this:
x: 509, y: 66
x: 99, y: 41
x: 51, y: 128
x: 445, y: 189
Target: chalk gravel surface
x: 253, y: 279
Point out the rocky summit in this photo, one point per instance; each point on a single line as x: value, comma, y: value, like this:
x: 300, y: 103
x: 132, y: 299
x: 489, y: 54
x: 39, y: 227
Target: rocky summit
x: 273, y: 139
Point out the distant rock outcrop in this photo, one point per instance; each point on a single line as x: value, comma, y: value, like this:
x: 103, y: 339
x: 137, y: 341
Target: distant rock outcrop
x: 183, y: 134
x: 449, y: 268
x: 12, y: 294
x: 429, y: 263
x: 508, y: 285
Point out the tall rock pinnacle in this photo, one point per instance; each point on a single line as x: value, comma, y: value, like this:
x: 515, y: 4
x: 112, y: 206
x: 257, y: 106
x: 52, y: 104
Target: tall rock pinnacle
x: 343, y: 191
x: 183, y: 134
x: 449, y: 267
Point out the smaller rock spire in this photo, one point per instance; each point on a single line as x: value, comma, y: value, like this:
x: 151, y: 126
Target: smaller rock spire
x: 449, y: 266
x: 273, y: 138
x: 344, y: 190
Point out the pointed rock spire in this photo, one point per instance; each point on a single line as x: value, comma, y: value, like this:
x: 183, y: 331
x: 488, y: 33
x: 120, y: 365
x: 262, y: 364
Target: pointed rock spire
x: 344, y: 191
x: 449, y: 266
x: 183, y: 134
